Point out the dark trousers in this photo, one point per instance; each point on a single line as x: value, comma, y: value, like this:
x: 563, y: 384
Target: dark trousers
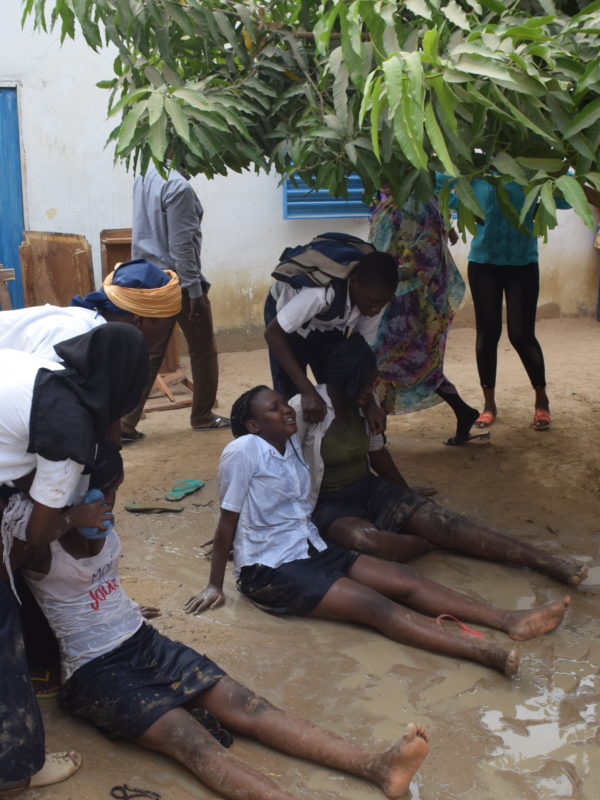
x: 21, y: 731
x: 309, y: 351
x: 200, y: 339
x: 490, y: 284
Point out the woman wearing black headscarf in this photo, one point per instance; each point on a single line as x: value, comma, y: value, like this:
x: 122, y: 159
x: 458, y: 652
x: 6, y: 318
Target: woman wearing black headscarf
x: 52, y: 416
x: 362, y: 502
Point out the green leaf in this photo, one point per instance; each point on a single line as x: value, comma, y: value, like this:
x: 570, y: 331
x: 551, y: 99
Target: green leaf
x: 419, y: 8
x: 575, y: 197
x: 156, y: 104
x: 548, y: 201
x: 530, y: 198
x: 437, y: 140
x: 128, y: 126
x: 178, y: 118
x: 393, y: 72
x: 546, y: 164
x: 465, y: 194
x: 129, y: 99
x: 586, y: 117
x: 157, y: 138
x: 506, y: 163
x: 456, y: 15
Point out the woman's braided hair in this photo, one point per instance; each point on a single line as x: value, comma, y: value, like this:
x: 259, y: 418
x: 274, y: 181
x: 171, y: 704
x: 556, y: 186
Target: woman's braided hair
x: 241, y: 411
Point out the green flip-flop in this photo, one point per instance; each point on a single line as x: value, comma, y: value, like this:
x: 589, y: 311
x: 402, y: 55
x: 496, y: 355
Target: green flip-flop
x: 182, y: 488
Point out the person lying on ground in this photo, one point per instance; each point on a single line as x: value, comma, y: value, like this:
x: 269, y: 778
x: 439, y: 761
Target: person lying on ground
x: 299, y: 321
x: 102, y: 633
x: 362, y: 502
x: 283, y: 565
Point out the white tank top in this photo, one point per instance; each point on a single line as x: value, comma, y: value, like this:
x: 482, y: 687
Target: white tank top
x: 83, y: 601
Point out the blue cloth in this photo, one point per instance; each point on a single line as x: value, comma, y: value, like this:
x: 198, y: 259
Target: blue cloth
x: 94, y: 533
x: 138, y: 274
x: 496, y: 241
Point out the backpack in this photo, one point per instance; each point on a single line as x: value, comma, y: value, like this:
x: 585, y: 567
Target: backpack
x: 327, y: 260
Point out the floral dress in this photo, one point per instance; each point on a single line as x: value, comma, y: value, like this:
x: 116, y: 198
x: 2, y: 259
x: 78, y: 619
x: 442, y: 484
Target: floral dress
x: 411, y: 338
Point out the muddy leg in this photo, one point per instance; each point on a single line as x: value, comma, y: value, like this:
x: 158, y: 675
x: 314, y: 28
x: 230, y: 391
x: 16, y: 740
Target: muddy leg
x: 358, y: 534
x: 402, y: 584
x: 244, y: 712
x: 449, y: 531
x: 351, y: 601
x: 178, y: 735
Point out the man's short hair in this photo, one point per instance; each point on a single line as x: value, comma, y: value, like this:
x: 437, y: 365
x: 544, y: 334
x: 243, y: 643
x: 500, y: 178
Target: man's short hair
x: 378, y: 268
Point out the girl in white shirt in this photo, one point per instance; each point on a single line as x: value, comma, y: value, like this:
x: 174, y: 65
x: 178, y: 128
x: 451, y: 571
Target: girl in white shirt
x: 285, y: 567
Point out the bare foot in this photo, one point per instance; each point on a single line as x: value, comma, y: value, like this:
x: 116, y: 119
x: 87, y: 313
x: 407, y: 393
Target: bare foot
x: 511, y: 666
x: 523, y: 625
x: 394, y: 770
x: 580, y: 575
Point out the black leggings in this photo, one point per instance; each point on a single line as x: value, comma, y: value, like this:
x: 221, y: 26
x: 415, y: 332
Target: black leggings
x: 520, y: 285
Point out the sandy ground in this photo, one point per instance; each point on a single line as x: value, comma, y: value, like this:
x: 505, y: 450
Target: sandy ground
x: 535, y: 737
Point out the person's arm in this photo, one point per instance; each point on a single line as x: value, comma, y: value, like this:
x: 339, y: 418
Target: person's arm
x: 183, y: 226
x: 212, y: 596
x: 47, y: 524
x: 313, y: 406
x: 383, y: 464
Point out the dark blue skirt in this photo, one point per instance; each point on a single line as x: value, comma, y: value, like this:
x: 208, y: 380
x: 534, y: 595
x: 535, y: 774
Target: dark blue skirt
x: 21, y: 730
x: 298, y: 586
x: 386, y: 504
x: 126, y: 691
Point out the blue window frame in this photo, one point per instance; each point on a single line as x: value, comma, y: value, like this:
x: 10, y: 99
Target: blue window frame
x: 301, y: 202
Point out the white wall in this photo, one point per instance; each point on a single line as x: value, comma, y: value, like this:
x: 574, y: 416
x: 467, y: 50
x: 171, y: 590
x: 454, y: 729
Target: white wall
x: 71, y: 185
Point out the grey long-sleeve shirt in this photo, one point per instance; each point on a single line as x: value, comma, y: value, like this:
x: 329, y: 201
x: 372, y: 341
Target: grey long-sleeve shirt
x: 166, y: 227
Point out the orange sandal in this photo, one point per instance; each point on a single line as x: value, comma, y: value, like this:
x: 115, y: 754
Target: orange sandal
x: 541, y: 419
x: 485, y: 420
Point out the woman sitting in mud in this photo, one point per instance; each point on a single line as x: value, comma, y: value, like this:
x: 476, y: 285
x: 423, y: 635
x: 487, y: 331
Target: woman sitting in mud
x: 283, y: 565
x: 136, y: 684
x: 363, y: 511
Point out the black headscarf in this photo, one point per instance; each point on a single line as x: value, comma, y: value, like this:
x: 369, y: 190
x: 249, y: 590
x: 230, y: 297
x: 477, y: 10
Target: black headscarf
x: 72, y: 409
x: 349, y: 364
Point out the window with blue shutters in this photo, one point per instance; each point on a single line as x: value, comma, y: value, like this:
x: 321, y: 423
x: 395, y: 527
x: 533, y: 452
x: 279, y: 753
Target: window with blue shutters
x: 301, y: 202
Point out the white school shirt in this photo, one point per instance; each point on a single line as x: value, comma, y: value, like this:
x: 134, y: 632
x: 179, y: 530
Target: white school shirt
x: 56, y: 483
x: 38, y: 329
x: 310, y: 436
x: 297, y: 310
x: 84, y: 603
x: 270, y: 493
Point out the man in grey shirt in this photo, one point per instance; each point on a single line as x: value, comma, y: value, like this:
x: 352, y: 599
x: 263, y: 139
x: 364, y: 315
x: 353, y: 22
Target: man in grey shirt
x: 166, y: 230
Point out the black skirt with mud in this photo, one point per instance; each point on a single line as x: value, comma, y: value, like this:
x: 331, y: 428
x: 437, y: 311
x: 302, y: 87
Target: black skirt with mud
x: 298, y: 586
x: 385, y: 503
x: 126, y: 691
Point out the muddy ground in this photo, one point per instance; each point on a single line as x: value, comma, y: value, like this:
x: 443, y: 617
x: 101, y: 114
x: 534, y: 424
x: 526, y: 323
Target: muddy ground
x: 534, y: 737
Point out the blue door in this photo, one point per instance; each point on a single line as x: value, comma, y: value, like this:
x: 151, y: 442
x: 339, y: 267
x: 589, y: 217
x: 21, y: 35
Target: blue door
x: 11, y: 192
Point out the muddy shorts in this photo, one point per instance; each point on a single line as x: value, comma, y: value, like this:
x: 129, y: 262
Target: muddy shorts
x: 380, y: 501
x: 126, y: 691
x: 298, y: 586
x: 21, y: 730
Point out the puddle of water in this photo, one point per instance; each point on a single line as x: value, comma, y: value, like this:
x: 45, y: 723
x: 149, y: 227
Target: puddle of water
x: 592, y: 582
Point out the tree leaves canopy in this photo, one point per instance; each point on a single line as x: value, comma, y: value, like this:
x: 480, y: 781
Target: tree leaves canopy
x: 393, y: 90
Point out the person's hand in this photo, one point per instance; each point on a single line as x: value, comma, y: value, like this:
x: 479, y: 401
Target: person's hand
x: 313, y: 406
x: 149, y: 612
x: 376, y: 417
x: 209, y: 597
x: 90, y: 515
x: 198, y: 306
